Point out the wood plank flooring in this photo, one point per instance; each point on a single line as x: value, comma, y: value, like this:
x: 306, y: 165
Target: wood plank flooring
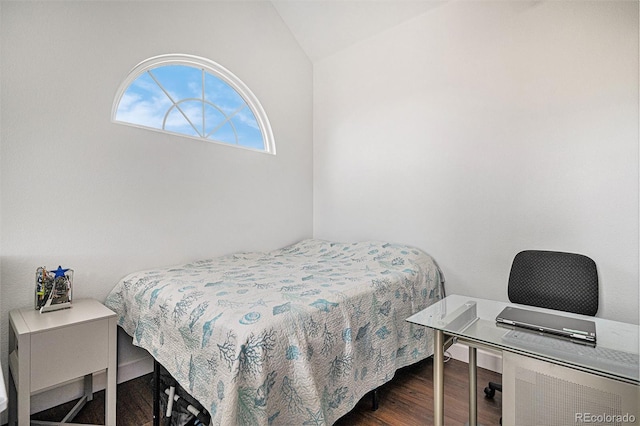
x: 405, y: 401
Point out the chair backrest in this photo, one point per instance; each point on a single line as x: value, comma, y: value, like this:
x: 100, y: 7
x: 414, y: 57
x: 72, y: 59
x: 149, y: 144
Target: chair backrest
x: 555, y: 280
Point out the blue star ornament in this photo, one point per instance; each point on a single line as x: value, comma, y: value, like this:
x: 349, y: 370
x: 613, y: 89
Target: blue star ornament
x: 60, y: 272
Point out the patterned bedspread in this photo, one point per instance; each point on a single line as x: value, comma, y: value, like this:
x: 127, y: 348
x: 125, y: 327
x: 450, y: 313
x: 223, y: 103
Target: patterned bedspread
x: 295, y: 336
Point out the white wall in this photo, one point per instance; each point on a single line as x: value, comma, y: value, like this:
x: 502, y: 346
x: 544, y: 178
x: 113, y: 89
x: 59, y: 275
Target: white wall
x: 107, y: 199
x: 480, y: 129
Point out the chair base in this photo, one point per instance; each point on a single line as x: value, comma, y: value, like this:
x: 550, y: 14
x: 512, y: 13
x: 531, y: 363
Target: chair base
x: 490, y: 391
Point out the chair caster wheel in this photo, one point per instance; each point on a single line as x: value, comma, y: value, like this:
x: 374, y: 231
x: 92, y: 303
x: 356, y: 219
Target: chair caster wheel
x: 489, y: 393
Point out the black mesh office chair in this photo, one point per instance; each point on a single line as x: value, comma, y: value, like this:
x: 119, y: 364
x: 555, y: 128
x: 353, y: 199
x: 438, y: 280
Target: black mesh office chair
x: 554, y: 280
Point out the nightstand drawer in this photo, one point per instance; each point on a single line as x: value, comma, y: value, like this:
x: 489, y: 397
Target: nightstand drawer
x: 69, y: 352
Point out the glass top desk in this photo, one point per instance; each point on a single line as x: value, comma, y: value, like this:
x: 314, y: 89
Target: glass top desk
x: 472, y: 321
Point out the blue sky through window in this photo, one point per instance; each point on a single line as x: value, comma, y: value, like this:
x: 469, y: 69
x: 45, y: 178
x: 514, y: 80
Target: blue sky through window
x: 191, y: 101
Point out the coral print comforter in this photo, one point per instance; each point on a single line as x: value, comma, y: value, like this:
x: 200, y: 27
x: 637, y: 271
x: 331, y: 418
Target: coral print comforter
x: 295, y: 336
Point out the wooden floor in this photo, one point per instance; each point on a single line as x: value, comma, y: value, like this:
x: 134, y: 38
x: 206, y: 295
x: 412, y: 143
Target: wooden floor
x: 405, y: 401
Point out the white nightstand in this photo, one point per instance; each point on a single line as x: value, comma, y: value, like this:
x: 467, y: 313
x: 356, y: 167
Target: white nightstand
x: 49, y: 349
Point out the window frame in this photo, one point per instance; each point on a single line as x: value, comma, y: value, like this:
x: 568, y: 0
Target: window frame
x: 214, y: 69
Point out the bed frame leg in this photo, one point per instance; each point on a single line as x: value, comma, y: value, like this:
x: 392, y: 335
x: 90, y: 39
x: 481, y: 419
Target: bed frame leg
x: 374, y: 399
x: 156, y: 393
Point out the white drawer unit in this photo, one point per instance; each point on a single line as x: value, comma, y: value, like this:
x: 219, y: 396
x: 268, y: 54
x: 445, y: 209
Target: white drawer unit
x: 46, y: 350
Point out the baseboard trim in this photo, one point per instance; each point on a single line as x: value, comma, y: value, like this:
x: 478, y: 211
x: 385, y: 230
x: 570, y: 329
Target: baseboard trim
x: 144, y: 365
x: 134, y: 369
x: 75, y: 389
x: 485, y: 359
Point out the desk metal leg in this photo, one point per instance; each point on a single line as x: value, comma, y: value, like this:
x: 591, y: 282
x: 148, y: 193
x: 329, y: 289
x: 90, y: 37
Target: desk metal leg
x: 438, y: 378
x: 473, y: 386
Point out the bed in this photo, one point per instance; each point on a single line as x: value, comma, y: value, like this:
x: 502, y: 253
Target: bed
x: 295, y: 336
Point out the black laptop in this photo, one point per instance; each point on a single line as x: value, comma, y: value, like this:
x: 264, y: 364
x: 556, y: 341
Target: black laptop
x: 549, y: 323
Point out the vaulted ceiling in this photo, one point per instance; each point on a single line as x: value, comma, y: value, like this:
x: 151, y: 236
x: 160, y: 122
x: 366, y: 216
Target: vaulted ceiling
x: 324, y: 27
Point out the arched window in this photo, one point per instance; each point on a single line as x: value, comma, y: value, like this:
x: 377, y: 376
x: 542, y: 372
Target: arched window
x: 193, y: 97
